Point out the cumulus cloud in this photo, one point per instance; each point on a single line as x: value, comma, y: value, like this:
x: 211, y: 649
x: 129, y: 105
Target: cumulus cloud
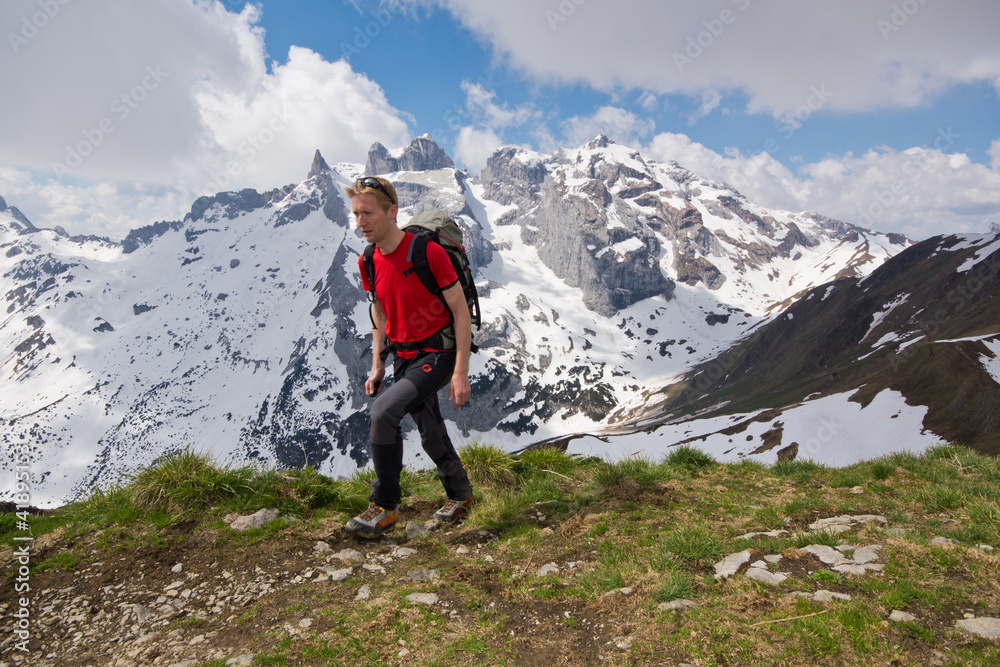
x: 872, y: 55
x: 165, y: 100
x: 621, y: 125
x: 919, y: 192
x: 481, y: 104
x: 994, y: 153
x: 487, y: 119
x: 474, y: 146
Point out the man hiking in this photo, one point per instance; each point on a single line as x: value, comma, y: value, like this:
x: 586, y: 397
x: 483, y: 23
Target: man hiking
x: 430, y: 336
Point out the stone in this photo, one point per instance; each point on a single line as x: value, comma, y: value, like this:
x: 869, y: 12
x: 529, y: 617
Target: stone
x: 765, y: 576
x: 547, y: 569
x: 983, y: 626
x: 839, y: 524
x: 828, y: 555
x: 422, y: 598
x: 422, y: 576
x: 821, y: 596
x: 335, y: 574
x: 829, y: 596
x: 415, y: 531
x: 866, y: 554
x: 731, y: 564
x: 772, y: 533
x: 677, y: 605
x: 258, y: 519
x: 902, y: 616
x: 350, y: 555
x: 854, y: 568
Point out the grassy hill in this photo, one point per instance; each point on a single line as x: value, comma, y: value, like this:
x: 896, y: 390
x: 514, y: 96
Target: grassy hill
x: 563, y: 562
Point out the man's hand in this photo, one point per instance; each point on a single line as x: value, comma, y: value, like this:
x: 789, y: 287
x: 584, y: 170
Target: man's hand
x: 459, y: 389
x: 374, y: 382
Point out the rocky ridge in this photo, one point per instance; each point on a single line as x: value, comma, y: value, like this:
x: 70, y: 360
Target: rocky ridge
x: 182, y: 608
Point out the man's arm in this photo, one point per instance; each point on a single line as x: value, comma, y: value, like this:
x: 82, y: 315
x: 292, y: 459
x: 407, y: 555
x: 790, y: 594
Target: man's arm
x: 379, y: 341
x: 460, y: 390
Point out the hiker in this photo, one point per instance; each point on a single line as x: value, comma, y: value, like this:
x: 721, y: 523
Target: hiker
x: 412, y: 323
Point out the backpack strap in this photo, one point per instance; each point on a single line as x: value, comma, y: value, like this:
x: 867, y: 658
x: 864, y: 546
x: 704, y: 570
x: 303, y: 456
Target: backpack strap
x: 417, y: 256
x: 368, y: 260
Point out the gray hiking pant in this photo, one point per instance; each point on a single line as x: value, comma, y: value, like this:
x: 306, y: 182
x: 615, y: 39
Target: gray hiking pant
x: 414, y: 391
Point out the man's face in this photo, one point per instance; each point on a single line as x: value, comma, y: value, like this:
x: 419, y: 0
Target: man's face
x: 373, y: 222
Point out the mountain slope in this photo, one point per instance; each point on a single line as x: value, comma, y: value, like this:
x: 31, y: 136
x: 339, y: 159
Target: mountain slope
x: 242, y: 330
x: 924, y: 328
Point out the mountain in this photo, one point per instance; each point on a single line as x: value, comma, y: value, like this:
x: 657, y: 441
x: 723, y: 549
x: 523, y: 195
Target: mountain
x: 242, y: 329
x: 915, y: 342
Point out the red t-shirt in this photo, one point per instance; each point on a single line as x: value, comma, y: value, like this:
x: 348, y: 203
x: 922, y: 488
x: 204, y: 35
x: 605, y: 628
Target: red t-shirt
x: 412, y: 313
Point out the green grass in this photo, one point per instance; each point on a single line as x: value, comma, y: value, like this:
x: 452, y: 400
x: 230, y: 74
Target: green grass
x: 185, y: 483
x: 637, y: 470
x: 689, y: 458
x: 654, y: 527
x: 695, y: 544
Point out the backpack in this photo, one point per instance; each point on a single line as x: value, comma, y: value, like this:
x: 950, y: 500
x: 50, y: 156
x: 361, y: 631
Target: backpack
x: 441, y: 228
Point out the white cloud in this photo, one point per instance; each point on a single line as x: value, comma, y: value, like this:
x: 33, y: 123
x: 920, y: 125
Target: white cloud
x: 994, y: 153
x: 620, y: 125
x: 481, y: 105
x: 871, y: 55
x: 474, y: 143
x: 102, y: 209
x: 167, y: 96
x: 474, y: 146
x: 919, y: 192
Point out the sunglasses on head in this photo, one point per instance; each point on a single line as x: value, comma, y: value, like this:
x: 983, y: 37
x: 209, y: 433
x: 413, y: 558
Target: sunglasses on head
x: 370, y: 182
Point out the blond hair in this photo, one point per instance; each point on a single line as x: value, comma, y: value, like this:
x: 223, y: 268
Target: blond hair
x: 384, y: 193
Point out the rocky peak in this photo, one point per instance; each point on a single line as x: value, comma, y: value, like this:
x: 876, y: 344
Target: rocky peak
x: 18, y: 216
x: 423, y: 154
x: 333, y: 205
x: 600, y: 141
x: 319, y: 165
x: 511, y: 173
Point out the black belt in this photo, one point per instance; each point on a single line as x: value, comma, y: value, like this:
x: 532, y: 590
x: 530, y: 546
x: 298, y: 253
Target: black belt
x: 444, y: 339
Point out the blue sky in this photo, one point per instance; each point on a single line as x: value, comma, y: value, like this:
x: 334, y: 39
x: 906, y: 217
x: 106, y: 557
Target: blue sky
x: 421, y: 58
x: 883, y: 113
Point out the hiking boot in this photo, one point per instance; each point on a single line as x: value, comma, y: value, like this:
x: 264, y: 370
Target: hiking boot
x: 372, y: 522
x: 454, y: 509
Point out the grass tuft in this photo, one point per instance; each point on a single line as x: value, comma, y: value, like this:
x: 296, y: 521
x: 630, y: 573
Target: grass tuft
x: 488, y: 465
x: 689, y: 458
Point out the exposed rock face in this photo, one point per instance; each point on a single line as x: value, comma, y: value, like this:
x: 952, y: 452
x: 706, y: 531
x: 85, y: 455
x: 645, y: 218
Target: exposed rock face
x: 423, y: 154
x: 614, y: 264
x: 510, y: 174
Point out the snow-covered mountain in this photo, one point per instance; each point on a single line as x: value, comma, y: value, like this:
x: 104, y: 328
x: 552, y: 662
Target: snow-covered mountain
x: 242, y: 330
x: 898, y: 360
